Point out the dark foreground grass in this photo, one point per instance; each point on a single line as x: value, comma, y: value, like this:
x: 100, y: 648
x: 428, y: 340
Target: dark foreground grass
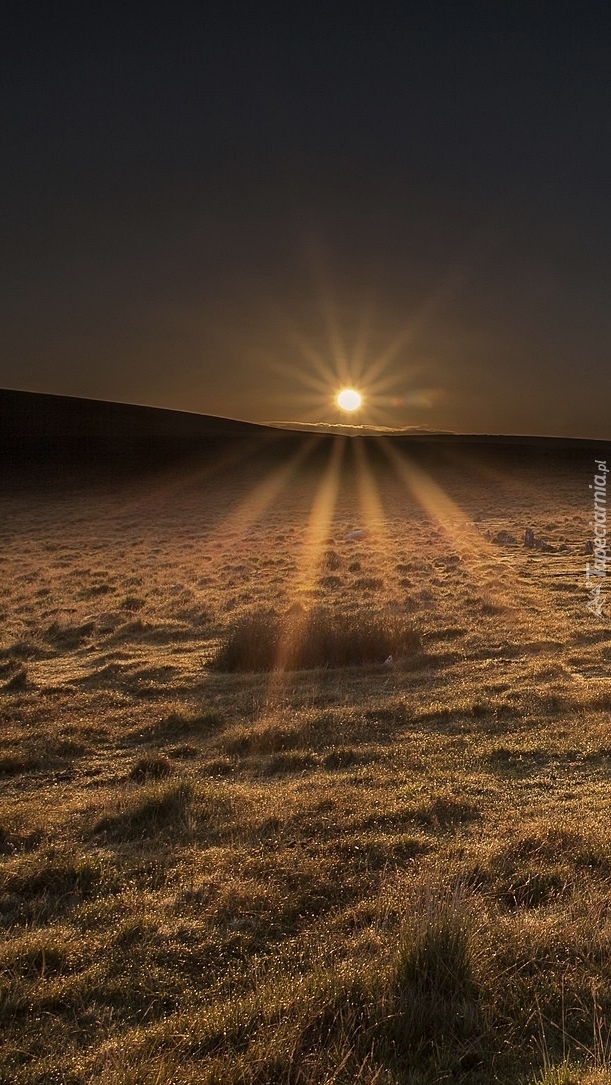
x: 436, y: 1004
x: 305, y: 640
x: 120, y: 974
x: 361, y: 896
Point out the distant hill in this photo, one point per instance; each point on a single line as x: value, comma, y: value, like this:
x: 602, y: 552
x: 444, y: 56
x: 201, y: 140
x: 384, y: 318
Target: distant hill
x: 39, y: 429
x: 24, y: 414
x: 35, y: 426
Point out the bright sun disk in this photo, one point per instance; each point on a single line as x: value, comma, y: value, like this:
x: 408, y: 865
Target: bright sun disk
x: 349, y: 399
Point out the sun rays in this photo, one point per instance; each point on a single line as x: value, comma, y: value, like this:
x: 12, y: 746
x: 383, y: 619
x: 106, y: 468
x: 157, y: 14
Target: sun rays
x: 486, y: 573
x: 376, y: 485
x: 264, y: 494
x: 493, y: 576
x: 310, y: 558
x: 355, y: 481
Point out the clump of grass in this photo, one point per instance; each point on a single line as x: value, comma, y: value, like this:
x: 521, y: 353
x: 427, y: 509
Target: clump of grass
x: 151, y: 766
x: 18, y: 681
x: 571, y: 1070
x: 132, y: 602
x: 35, y: 888
x: 185, y: 751
x: 332, y: 561
x: 544, y: 863
x: 291, y: 761
x: 65, y: 636
x: 341, y: 757
x: 13, y: 764
x: 490, y: 609
x: 270, y: 737
x: 306, y: 640
x: 480, y: 709
x: 11, y: 842
x: 330, y: 582
x: 568, y: 1072
x: 162, y: 807
x: 439, y: 1015
x: 178, y: 724
x: 56, y: 876
x: 182, y: 722
x: 23, y: 650
x: 531, y: 888
x: 35, y: 954
x: 218, y: 766
x: 91, y: 591
x: 544, y: 843
x: 446, y: 810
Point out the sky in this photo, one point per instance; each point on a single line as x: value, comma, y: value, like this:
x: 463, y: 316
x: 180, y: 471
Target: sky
x: 240, y: 212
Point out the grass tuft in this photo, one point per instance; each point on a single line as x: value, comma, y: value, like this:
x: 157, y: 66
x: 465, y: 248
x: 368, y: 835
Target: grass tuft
x: 36, y: 888
x: 18, y: 681
x: 438, y: 1013
x: 162, y: 807
x: 151, y: 766
x: 15, y: 764
x: 301, y: 640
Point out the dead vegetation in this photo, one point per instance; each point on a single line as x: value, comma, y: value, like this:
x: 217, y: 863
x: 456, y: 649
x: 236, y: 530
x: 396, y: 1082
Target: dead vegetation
x: 240, y: 846
x: 306, y: 640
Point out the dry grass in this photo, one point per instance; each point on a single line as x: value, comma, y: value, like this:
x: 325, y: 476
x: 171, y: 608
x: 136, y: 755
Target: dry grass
x: 306, y: 640
x: 236, y: 848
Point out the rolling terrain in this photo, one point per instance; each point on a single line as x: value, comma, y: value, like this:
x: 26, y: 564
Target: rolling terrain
x: 393, y: 867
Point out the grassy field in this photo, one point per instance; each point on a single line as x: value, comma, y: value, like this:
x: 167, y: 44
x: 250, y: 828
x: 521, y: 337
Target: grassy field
x: 393, y: 867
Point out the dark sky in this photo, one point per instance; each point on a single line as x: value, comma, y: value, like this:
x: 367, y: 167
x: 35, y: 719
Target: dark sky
x: 237, y: 213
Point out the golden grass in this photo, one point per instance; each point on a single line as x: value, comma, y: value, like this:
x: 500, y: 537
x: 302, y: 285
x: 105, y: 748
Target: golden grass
x: 315, y: 638
x: 352, y: 873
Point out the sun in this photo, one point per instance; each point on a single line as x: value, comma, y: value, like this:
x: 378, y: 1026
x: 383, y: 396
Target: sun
x: 349, y: 399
